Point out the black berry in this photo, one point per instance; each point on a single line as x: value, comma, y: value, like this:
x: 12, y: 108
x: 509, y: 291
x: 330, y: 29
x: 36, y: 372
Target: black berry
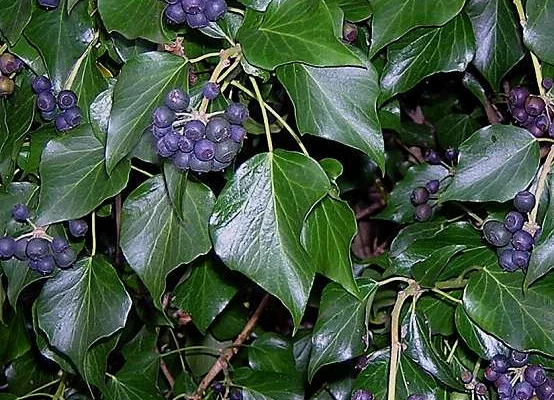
x: 423, y: 212
x: 41, y: 84
x: 237, y: 133
x: 211, y: 90
x: 236, y: 395
x: 219, y: 166
x: 159, y: 133
x: 21, y: 249
x: 521, y: 258
x: 59, y: 244
x: 46, y: 101
x: 535, y: 375
x: 194, y: 129
x: 198, y: 165
x: 524, y: 201
x: 215, y: 9
x: 175, y: 14
x: 163, y: 117
x: 49, y: 116
x: 10, y: 64
x: 45, y: 265
x: 185, y: 144
x: 78, y: 227
x: 520, y: 115
x: 61, y: 123
x: 218, y: 129
x: 451, y: 154
x: 523, y: 390
x: 204, y: 150
x: 181, y: 160
x: 37, y: 248
x: 546, y: 390
x: 534, y: 105
x: 236, y: 113
x: 499, y: 363
x: 496, y: 234
x: 522, y: 240
x: 177, y: 100
x: 72, y: 116
x: 225, y: 151
x: 20, y: 212
x: 419, y: 195
x: 7, y: 247
x: 491, y: 375
x: 65, y: 258
x: 514, y: 221
x: 506, y: 260
x: 218, y: 387
x: 518, y: 358
x: 67, y: 99
x: 517, y: 96
x: 196, y: 21
x: 432, y: 157
x: 193, y: 6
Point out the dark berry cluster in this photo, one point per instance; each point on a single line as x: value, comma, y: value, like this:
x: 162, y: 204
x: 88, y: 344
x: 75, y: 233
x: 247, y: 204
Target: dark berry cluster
x: 362, y: 394
x: 63, y: 109
x: 532, y: 112
x: 193, y: 140
x: 42, y: 252
x: 194, y: 13
x: 420, y: 200
x: 513, y: 241
x: 219, y: 389
x: 10, y: 65
x: 433, y: 157
x: 514, y: 378
x: 49, y: 4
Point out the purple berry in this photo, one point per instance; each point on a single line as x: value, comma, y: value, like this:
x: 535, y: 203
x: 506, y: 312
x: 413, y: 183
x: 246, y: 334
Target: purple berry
x: 61, y: 123
x: 349, y: 32
x: 181, y: 160
x: 514, y: 221
x: 198, y: 165
x: 480, y: 389
x: 225, y: 151
x: 535, y: 375
x: 45, y: 265
x: 193, y: 6
x: 21, y: 249
x: 546, y: 390
x: 496, y: 234
x: 522, y: 240
x: 37, y: 248
x: 168, y: 145
x: 78, y: 227
x: 215, y: 9
x: 419, y: 196
x: 432, y: 157
x: 65, y: 258
x: 7, y: 247
x: 219, y: 166
x: 20, y: 212
x: 520, y: 115
x: 67, y: 99
x: 517, y: 96
x: 534, y: 105
x: 73, y: 116
x: 49, y: 115
x: 163, y: 117
x: 362, y: 394
x: 194, y: 129
x: 491, y: 375
x: 506, y: 260
x: 174, y: 14
x: 218, y: 129
x: 49, y: 4
x: 521, y: 258
x: 204, y: 150
x: 59, y: 244
x: 236, y: 113
x: 237, y: 133
x: 451, y: 154
x: 423, y: 212
x: 196, y: 21
x: 523, y: 391
x: 432, y: 186
x: 211, y: 90
x: 547, y: 83
x: 499, y: 363
x: 46, y: 101
x: 524, y: 201
x: 177, y: 100
x: 159, y: 133
x: 41, y: 84
x: 10, y: 64
x: 185, y: 144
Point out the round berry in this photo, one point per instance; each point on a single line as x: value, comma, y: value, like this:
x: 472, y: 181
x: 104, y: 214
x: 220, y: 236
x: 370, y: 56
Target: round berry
x: 215, y: 9
x: 59, y: 244
x: 49, y: 115
x: 514, y: 221
x: 496, y: 234
x: 518, y: 359
x: 546, y: 390
x: 521, y: 258
x: 517, y: 96
x: 20, y: 212
x: 523, y: 390
x: 159, y: 133
x: 7, y: 86
x: 10, y: 64
x: 198, y: 165
x: 67, y: 99
x: 174, y: 14
x: 237, y: 133
x: 451, y: 154
x: 480, y: 389
x: 49, y: 4
x: 506, y: 260
x: 349, y: 32
x: 432, y: 186
x: 211, y: 90
x: 499, y: 363
x: 65, y: 258
x: 41, y: 84
x: 491, y: 375
x: 534, y: 105
x: 218, y: 129
x: 193, y: 6
x: 61, y: 123
x: 534, y: 130
x: 541, y: 122
x: 177, y: 100
x: 504, y: 388
x: 196, y: 21
x: 236, y: 113
x: 218, y: 387
x: 524, y: 201
x: 547, y: 83
x: 432, y: 157
x: 204, y: 150
x: 37, y: 248
x: 181, y: 160
x: 163, y: 148
x: 419, y: 195
x: 7, y: 247
x: 466, y: 376
x: 194, y: 129
x: 21, y: 249
x: 45, y: 265
x: 225, y: 151
x: 520, y: 115
x: 185, y: 144
x: 535, y: 375
x: 46, y: 101
x: 423, y: 212
x: 78, y: 227
x: 362, y: 394
x: 522, y: 240
x: 219, y: 166
x: 163, y: 117
x: 73, y: 116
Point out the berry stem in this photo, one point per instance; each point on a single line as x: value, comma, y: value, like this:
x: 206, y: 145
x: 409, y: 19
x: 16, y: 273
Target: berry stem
x: 203, y: 57
x: 477, y: 219
x: 235, y: 64
x: 236, y: 10
x: 180, y: 355
x: 264, y: 113
x: 454, y: 283
x: 541, y: 185
x: 93, y: 229
x: 534, y: 59
x: 447, y: 296
x: 148, y: 174
x: 395, y: 279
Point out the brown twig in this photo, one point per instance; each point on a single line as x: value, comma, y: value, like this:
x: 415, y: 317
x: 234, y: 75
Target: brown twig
x: 224, y: 359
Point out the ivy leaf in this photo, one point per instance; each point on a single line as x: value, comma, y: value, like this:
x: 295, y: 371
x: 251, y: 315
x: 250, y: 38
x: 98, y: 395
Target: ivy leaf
x: 14, y: 17
x: 354, y: 10
x: 74, y: 178
x: 264, y: 385
x: 495, y: 163
x: 340, y: 329
x: 61, y: 39
x: 327, y: 236
x: 141, y: 87
x: 393, y: 18
x: 427, y: 271
x: 537, y: 32
x: 10, y: 195
x: 30, y: 55
x: 453, y: 129
x: 205, y: 293
x: 337, y: 104
x: 90, y: 291
x: 258, y: 5
x: 399, y: 209
x: 438, y: 312
x: 14, y: 333
x: 272, y: 353
x: 19, y: 276
x: 498, y: 38
x: 96, y: 361
x: 257, y: 222
x: 485, y: 345
x: 293, y: 31
x: 177, y: 241
x: 496, y: 302
x: 426, y: 51
x: 145, y: 14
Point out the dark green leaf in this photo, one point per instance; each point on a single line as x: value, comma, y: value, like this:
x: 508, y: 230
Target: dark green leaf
x: 438, y: 312
x: 132, y: 387
x: 337, y: 104
x: 74, y: 178
x: 257, y: 222
x: 205, y: 293
x: 263, y: 385
x: 495, y: 163
x: 99, y: 112
x: 141, y: 87
x: 14, y: 335
x: 354, y: 10
x: 427, y: 271
x: 272, y: 353
x: 14, y: 17
x: 19, y: 277
x: 293, y: 30
x: 498, y: 38
x: 39, y: 139
x: 10, y: 195
x: 27, y: 373
x: 327, y: 235
x: 90, y: 291
x: 134, y: 19
x: 485, y: 345
x: 95, y: 364
x: 453, y: 129
x: 259, y: 5
x: 30, y: 55
x: 340, y: 330
x: 426, y: 51
x: 525, y: 321
x: 148, y: 210
x: 393, y: 18
x: 537, y: 32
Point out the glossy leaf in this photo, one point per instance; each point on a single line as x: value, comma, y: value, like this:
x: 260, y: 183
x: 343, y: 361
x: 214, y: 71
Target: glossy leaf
x: 19, y: 278
x: 68, y: 302
x: 337, y: 104
x: 205, y: 293
x: 426, y: 51
x: 155, y: 240
x: 485, y: 345
x: 438, y: 312
x: 263, y: 385
x: 496, y: 302
x: 95, y: 364
x: 14, y: 17
x: 427, y: 271
x: 495, y: 163
x: 13, y: 334
x: 537, y: 31
x: 453, y: 129
x: 272, y: 353
x: 392, y: 18
x: 292, y: 30
x: 498, y: 39
x: 354, y: 10
x: 340, y: 329
x: 257, y: 222
x: 74, y: 178
x: 327, y: 235
x: 10, y: 195
x: 141, y: 87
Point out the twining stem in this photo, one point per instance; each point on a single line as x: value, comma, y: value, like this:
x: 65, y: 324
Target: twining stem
x: 224, y: 359
x: 230, y: 69
x: 453, y: 284
x: 177, y: 344
x: 278, y: 117
x: 534, y: 59
x: 395, y: 279
x: 264, y: 113
x: 541, y: 185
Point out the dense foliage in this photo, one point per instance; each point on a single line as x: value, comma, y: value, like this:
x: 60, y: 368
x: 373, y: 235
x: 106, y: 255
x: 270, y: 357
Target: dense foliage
x: 276, y: 199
